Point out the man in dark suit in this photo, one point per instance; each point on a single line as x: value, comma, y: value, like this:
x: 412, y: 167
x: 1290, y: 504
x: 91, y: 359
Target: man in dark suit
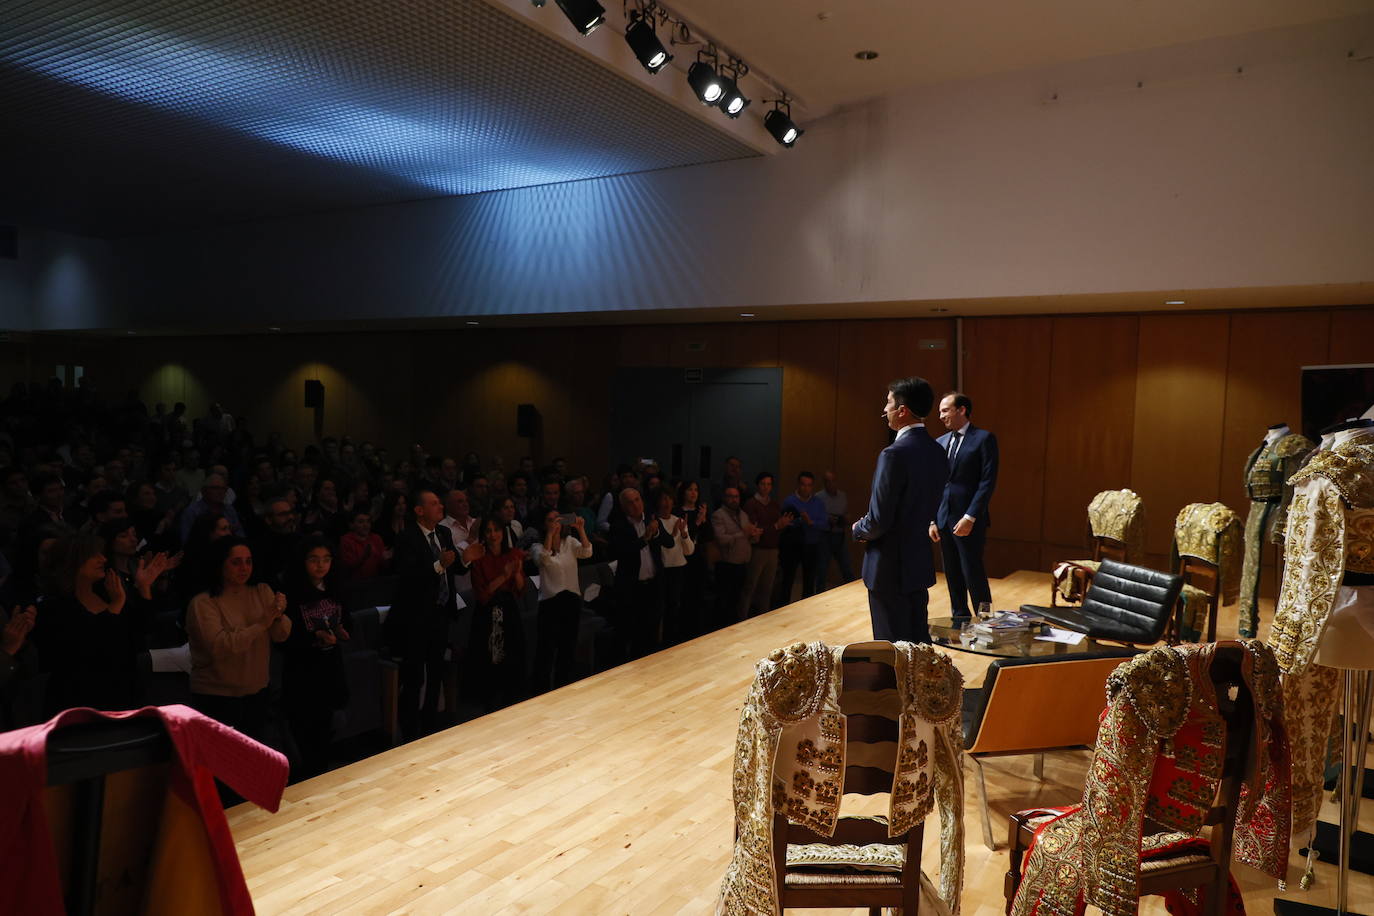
x: 636, y: 545
x: 961, y: 524
x: 899, y: 566
x: 418, y: 623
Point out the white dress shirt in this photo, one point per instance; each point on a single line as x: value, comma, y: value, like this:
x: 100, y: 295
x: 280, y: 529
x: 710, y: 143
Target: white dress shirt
x: 558, y: 570
x: 683, y: 546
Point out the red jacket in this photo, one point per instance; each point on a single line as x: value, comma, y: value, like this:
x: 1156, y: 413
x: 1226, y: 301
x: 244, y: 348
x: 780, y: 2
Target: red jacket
x: 205, y: 749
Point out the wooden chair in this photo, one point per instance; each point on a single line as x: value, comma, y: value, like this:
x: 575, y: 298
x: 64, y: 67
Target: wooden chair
x: 1007, y: 716
x: 1201, y: 583
x: 1116, y: 522
x: 1189, y: 868
x: 833, y: 876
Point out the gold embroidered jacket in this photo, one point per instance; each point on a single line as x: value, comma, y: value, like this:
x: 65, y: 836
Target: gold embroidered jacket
x: 790, y: 757
x: 1120, y: 515
x: 1159, y: 755
x: 1330, y: 530
x: 1212, y: 532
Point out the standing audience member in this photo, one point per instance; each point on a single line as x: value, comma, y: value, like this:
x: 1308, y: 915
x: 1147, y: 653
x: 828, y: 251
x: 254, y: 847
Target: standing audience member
x: 276, y: 550
x: 497, y: 641
x: 837, y: 533
x: 804, y: 540
x: 732, y: 476
x: 734, y: 535
x: 961, y: 523
x: 231, y: 627
x: 394, y: 519
x: 88, y: 641
x: 314, y: 686
x: 18, y: 661
x: 460, y: 523
x: 692, y: 508
x: 766, y: 516
x: 674, y: 555
x: 362, y: 555
x: 636, y: 546
x: 560, y: 598
x: 511, y: 525
x: 418, y: 623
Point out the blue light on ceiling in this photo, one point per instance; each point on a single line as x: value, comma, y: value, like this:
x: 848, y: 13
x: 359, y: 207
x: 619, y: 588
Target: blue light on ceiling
x: 460, y: 100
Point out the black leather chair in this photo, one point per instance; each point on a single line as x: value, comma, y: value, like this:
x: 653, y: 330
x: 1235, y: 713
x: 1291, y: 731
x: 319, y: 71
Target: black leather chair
x: 1129, y: 604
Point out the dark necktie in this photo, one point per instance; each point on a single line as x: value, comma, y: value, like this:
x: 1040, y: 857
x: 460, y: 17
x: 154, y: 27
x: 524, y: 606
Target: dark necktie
x: 442, y: 598
x: 954, y: 440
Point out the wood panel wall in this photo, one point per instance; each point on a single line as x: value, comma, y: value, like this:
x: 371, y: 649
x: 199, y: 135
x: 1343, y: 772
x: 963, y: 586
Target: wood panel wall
x: 1167, y: 404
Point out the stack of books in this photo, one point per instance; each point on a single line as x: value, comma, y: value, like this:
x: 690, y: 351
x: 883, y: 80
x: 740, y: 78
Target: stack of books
x: 1005, y: 626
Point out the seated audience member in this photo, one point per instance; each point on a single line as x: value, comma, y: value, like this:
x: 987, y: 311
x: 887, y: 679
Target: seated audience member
x: 362, y: 555
x: 231, y: 627
x: 314, y: 686
x: 674, y: 556
x: 88, y: 640
x: 394, y: 518
x: 497, y: 643
x: 212, y: 500
x: 560, y: 598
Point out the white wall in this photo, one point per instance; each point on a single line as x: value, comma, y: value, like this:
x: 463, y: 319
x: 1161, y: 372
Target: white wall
x: 1203, y: 178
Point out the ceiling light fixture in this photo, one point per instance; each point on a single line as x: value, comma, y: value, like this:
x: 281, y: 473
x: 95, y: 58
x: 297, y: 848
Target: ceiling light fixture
x: 643, y: 40
x: 732, y: 101
x: 866, y: 55
x: 1175, y: 302
x: 746, y: 314
x: 585, y: 15
x: 274, y: 329
x: 780, y: 124
x: 471, y: 324
x: 705, y: 82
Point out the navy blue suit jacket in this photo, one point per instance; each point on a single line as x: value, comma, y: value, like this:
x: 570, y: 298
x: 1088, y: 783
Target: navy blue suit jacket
x: 972, y: 476
x: 907, y: 484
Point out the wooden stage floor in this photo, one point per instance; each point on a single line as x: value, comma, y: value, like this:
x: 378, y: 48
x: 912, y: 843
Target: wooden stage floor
x: 612, y: 795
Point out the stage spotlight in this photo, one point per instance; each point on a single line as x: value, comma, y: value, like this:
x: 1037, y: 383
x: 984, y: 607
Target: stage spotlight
x: 642, y: 39
x: 704, y: 82
x: 780, y: 124
x: 585, y: 15
x: 732, y: 101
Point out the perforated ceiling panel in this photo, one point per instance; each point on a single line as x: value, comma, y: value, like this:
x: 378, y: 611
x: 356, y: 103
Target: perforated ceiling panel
x: 127, y: 116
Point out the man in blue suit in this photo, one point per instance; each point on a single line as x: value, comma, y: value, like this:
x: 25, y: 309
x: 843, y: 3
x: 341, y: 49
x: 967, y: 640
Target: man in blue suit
x: 899, y: 567
x: 961, y: 524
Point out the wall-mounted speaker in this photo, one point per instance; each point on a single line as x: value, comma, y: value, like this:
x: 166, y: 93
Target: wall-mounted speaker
x: 314, y: 393
x: 526, y: 421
